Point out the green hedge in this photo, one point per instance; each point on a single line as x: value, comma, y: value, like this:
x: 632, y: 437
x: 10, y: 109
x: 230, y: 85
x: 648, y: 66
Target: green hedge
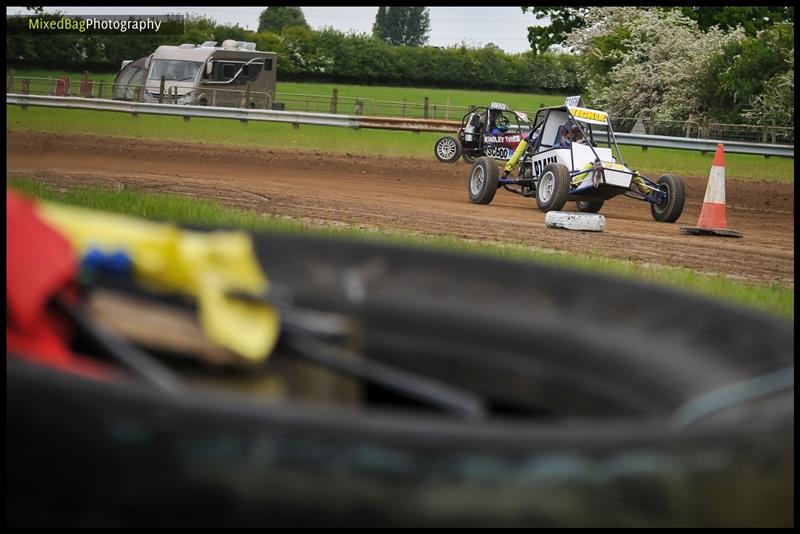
x: 321, y: 56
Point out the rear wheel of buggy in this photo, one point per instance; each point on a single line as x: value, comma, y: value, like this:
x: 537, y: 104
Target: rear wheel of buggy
x: 483, y: 180
x: 670, y: 207
x: 447, y: 149
x: 553, y: 188
x: 589, y: 206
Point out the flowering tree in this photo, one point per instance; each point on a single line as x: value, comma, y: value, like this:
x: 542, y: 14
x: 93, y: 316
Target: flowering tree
x: 647, y: 62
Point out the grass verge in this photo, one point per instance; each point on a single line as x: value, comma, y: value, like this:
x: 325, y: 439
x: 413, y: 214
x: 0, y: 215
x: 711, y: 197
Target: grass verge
x: 772, y: 299
x: 653, y: 163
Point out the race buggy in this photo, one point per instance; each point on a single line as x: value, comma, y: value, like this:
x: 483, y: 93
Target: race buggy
x: 494, y: 132
x: 584, y: 170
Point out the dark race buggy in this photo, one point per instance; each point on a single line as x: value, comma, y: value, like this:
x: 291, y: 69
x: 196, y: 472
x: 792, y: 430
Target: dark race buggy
x: 493, y: 131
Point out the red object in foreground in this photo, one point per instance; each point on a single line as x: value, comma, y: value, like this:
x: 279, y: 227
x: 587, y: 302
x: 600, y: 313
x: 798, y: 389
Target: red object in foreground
x: 40, y: 264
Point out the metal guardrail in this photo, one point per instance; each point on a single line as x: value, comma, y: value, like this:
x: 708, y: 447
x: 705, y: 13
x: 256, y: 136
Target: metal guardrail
x: 703, y: 145
x: 146, y: 108
x: 360, y: 121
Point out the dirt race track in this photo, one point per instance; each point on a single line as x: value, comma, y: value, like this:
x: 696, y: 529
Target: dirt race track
x: 420, y: 195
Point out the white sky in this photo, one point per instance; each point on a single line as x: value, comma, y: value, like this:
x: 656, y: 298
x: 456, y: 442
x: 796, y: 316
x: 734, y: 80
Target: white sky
x: 505, y: 26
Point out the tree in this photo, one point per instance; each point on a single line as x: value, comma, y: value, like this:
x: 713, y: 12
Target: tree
x: 748, y: 68
x: 660, y: 62
x: 775, y: 105
x: 276, y: 18
x: 752, y: 18
x: 408, y: 26
x: 563, y: 20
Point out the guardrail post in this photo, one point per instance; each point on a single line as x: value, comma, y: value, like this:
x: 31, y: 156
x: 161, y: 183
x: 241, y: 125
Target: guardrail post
x: 100, y: 90
x: 161, y: 90
x: 10, y: 83
x: 425, y: 108
x: 334, y: 100
x: 434, y: 111
x: 247, y: 96
x: 26, y: 85
x: 268, y: 100
x: 213, y: 97
x: 404, y: 107
x: 359, y: 107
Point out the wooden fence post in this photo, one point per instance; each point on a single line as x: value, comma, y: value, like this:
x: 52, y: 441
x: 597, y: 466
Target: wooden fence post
x: 85, y: 85
x: 425, y: 108
x: 334, y: 100
x: 161, y: 91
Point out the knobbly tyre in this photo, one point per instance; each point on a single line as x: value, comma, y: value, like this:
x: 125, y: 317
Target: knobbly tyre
x: 493, y: 131
x: 555, y: 169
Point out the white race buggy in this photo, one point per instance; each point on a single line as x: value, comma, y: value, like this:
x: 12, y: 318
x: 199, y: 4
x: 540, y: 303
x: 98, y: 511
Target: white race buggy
x: 585, y: 172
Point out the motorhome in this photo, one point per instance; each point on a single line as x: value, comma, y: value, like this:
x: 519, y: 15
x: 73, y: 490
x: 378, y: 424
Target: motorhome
x: 232, y: 75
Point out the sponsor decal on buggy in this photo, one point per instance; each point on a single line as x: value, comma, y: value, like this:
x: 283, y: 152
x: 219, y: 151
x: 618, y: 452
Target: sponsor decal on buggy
x: 498, y: 152
x: 538, y: 165
x: 498, y: 105
x: 502, y: 138
x: 589, y: 115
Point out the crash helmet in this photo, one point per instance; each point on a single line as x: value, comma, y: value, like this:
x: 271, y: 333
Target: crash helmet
x: 500, y: 122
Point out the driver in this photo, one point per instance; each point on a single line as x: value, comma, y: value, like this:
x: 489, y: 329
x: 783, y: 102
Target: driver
x: 567, y: 134
x: 498, y: 124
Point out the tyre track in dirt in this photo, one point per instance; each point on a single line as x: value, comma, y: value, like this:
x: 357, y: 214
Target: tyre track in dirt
x: 426, y: 197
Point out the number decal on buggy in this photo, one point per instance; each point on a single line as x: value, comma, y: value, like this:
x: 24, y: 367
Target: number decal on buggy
x: 541, y: 164
x: 498, y: 152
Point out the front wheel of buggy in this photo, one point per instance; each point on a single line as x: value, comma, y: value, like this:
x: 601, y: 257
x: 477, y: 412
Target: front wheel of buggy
x: 672, y: 199
x: 589, y: 206
x: 483, y: 180
x: 552, y: 188
x: 447, y: 149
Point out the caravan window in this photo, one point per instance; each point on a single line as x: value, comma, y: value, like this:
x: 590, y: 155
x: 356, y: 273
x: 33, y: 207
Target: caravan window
x: 228, y: 70
x: 174, y: 70
x: 251, y: 71
x: 225, y: 70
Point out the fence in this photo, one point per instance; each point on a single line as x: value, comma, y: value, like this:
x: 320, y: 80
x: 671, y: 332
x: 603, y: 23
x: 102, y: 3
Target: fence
x: 746, y: 133
x: 355, y: 121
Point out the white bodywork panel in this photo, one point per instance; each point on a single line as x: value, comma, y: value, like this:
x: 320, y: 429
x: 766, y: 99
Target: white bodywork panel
x: 583, y: 155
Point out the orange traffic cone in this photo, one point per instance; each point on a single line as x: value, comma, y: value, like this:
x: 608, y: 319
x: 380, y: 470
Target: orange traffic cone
x: 712, y: 216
